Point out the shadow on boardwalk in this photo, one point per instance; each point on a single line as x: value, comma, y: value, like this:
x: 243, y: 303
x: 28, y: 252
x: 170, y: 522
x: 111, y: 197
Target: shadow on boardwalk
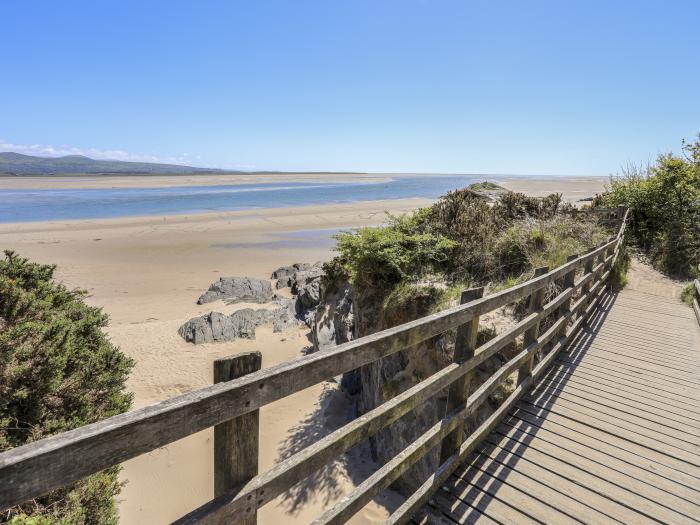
x: 476, y: 484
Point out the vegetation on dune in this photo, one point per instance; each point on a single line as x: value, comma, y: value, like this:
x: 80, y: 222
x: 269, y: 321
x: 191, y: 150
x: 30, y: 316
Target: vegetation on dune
x: 664, y: 202
x: 486, y: 186
x: 461, y: 241
x: 58, y: 371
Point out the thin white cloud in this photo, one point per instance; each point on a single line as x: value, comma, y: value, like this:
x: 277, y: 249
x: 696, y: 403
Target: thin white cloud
x: 47, y: 150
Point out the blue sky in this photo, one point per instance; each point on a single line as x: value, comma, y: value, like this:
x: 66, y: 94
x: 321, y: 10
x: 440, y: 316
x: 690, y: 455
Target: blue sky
x: 536, y: 87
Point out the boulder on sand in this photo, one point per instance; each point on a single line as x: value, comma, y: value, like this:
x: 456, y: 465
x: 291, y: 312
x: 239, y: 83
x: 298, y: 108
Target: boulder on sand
x: 237, y: 290
x: 241, y: 324
x: 216, y: 326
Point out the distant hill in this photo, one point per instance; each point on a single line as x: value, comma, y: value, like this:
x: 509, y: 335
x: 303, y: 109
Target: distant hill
x: 18, y: 164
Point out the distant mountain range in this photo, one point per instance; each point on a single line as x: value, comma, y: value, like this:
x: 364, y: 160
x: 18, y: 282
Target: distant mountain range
x: 18, y: 164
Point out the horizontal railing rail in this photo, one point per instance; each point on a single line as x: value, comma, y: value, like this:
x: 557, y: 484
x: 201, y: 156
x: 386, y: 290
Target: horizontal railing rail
x: 31, y: 470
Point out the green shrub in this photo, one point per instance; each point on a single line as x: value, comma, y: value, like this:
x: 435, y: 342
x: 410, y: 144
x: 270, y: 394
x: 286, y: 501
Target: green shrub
x: 664, y: 202
x: 462, y: 238
x: 58, y: 371
x: 687, y: 293
x: 382, y: 257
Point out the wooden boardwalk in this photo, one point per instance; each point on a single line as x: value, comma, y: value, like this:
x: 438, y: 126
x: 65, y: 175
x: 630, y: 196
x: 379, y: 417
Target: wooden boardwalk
x: 611, y: 434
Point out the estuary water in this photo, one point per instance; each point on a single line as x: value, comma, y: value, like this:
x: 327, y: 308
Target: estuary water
x: 65, y: 204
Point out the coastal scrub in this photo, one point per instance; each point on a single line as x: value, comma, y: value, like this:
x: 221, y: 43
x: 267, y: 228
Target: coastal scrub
x: 58, y: 371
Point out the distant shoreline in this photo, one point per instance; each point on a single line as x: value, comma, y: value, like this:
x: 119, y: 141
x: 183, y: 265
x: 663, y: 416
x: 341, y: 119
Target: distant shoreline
x: 95, y: 198
x: 136, y: 180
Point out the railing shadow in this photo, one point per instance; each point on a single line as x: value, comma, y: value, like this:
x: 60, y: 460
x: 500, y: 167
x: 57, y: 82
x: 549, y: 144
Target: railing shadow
x: 326, y: 485
x: 478, y: 481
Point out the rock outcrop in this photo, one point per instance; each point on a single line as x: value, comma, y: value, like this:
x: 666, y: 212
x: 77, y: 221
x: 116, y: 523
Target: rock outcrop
x: 237, y: 290
x: 241, y: 324
x: 297, y: 275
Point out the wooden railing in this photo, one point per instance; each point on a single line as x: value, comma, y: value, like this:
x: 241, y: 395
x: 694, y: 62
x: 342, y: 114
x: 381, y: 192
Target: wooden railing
x: 231, y: 404
x: 696, y: 297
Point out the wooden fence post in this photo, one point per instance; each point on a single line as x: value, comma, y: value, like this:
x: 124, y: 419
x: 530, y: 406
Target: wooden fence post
x: 621, y: 211
x: 536, y: 302
x: 458, y: 392
x: 236, y: 440
x: 569, y: 280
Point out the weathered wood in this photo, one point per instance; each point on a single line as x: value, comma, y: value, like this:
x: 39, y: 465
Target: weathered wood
x: 458, y: 393
x: 596, y: 437
x: 33, y: 469
x: 569, y: 282
x: 696, y: 300
x: 421, y: 496
x: 269, y: 485
x: 236, y: 442
x: 475, y: 400
x: 535, y: 304
x: 394, y: 468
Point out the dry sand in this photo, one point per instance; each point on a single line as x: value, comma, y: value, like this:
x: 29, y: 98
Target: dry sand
x: 148, y: 272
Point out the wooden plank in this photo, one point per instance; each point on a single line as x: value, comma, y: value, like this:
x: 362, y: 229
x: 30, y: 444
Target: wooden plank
x: 639, y: 382
x: 687, y: 461
x: 516, y: 439
x: 630, y: 323
x: 560, y: 380
x: 674, y: 316
x: 458, y: 393
x: 635, y: 422
x: 270, y: 484
x: 616, y: 400
x: 655, y: 373
x: 594, y: 379
x: 595, y: 480
x: 613, y: 392
x: 482, y: 508
x: 544, y: 488
x: 628, y: 352
x: 646, y: 348
x: 490, y: 479
x: 236, y: 441
x: 636, y: 372
x: 613, y: 436
x: 608, y: 451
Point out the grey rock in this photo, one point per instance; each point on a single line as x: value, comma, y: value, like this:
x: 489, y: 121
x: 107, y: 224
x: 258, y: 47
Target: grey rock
x: 302, y: 277
x: 216, y: 326
x: 288, y: 271
x: 284, y: 316
x: 310, y: 293
x: 241, y: 324
x: 238, y: 289
x: 334, y: 321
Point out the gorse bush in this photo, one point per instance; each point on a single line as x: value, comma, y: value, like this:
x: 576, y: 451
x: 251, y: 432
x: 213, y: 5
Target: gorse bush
x: 383, y: 257
x: 664, y: 202
x: 464, y: 238
x: 58, y: 371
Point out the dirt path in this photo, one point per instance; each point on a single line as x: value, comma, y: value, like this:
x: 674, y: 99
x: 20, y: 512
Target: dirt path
x: 641, y: 277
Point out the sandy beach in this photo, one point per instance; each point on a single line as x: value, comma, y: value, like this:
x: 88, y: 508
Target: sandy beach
x: 147, y: 272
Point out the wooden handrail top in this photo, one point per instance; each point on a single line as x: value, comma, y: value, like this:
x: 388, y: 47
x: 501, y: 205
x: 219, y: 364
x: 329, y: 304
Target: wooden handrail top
x: 36, y: 468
